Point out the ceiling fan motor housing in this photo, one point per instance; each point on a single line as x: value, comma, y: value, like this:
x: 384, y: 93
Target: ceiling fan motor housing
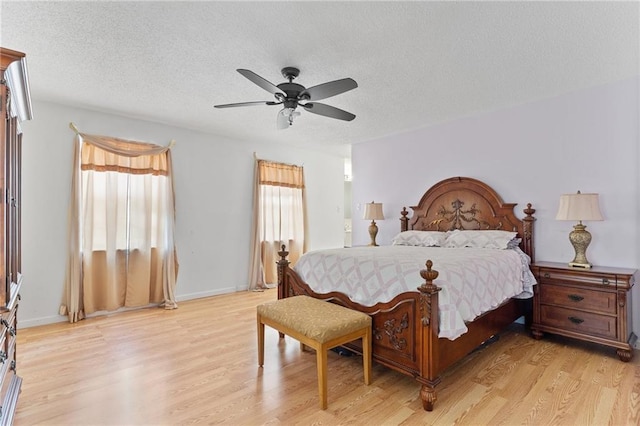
x: 292, y: 90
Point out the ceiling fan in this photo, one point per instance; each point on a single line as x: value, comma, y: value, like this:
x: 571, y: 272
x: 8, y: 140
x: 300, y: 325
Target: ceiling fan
x: 291, y: 95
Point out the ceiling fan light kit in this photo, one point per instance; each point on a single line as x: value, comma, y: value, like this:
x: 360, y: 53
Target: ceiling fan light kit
x: 291, y: 95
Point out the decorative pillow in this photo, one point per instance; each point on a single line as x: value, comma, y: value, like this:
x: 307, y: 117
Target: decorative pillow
x: 479, y: 239
x: 420, y: 238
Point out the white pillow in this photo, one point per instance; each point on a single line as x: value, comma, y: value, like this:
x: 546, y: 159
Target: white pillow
x: 479, y: 239
x: 420, y: 238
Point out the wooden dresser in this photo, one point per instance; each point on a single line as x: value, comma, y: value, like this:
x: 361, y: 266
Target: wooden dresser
x: 589, y: 304
x: 15, y: 106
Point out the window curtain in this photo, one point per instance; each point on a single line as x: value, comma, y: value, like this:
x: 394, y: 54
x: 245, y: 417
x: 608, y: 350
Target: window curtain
x: 121, y: 227
x: 278, y: 218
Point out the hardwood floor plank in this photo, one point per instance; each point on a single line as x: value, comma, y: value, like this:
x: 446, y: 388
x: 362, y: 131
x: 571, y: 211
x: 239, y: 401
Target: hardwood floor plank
x: 597, y: 406
x: 488, y: 408
x: 198, y: 364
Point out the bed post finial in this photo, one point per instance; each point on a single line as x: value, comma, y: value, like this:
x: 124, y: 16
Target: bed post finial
x: 283, y: 252
x: 429, y: 274
x: 404, y: 220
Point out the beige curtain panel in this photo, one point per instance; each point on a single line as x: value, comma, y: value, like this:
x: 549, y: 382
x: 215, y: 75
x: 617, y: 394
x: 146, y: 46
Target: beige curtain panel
x: 121, y: 227
x: 278, y: 218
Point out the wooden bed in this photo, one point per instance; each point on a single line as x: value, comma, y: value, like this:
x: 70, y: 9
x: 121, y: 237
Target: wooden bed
x: 405, y: 329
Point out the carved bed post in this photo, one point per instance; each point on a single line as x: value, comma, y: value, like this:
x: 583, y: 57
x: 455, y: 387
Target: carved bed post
x: 404, y: 220
x: 430, y: 323
x: 283, y: 264
x: 283, y: 277
x: 527, y: 247
x: 528, y: 231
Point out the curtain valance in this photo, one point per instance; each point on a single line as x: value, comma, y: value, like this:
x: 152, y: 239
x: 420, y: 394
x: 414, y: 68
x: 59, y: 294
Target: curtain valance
x: 102, y: 154
x: 279, y: 174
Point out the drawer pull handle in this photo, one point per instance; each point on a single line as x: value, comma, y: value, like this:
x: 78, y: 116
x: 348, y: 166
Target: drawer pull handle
x: 546, y: 275
x: 605, y: 281
x: 576, y: 320
x: 575, y: 297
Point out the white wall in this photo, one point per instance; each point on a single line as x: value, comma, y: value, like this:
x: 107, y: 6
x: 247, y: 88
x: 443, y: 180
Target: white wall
x: 214, y: 188
x: 533, y: 153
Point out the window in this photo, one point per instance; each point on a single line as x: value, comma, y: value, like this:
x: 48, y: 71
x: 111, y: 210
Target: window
x: 278, y: 219
x: 121, y: 228
x: 122, y: 200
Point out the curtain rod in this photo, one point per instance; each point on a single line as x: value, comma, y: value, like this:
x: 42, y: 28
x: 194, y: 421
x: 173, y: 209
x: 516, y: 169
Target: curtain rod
x: 73, y: 127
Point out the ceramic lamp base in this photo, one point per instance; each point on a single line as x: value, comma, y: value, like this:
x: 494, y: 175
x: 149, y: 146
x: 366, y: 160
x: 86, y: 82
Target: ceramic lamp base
x: 580, y: 239
x: 373, y: 231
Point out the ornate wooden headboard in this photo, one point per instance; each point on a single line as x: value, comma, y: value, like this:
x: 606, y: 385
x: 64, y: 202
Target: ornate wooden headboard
x: 467, y: 203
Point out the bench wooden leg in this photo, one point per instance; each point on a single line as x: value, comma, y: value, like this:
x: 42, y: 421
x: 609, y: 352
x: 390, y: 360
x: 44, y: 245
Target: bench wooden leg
x: 260, y: 341
x: 321, y: 360
x: 366, y: 356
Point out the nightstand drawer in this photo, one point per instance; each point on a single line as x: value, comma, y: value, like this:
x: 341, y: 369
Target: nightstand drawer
x: 578, y: 321
x: 579, y: 298
x: 577, y: 277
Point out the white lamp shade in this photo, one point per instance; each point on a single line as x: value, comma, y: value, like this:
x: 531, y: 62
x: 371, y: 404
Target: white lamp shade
x: 373, y: 211
x: 579, y: 207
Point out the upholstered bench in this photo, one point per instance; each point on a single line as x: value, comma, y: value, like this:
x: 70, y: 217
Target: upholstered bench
x: 319, y: 325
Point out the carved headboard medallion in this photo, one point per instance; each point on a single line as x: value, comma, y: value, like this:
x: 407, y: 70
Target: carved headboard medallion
x: 459, y: 218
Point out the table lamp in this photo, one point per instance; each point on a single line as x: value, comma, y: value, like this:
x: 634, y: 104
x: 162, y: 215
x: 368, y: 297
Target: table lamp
x: 373, y: 212
x: 579, y: 207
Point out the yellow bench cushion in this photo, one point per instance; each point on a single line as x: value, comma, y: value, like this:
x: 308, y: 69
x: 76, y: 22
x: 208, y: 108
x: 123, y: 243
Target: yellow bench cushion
x: 319, y: 320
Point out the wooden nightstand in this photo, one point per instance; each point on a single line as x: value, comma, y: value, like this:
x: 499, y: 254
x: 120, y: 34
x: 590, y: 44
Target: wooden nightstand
x: 589, y: 304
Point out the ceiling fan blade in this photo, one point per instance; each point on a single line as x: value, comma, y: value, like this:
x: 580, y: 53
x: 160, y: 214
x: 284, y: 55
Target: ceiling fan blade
x: 255, y: 78
x: 240, y: 104
x: 332, y: 88
x: 282, y: 120
x: 328, y: 111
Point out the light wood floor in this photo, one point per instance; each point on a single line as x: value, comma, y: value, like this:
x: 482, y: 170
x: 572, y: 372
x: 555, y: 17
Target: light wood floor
x: 198, y: 364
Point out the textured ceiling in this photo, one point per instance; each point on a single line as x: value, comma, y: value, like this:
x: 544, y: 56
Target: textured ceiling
x: 416, y: 63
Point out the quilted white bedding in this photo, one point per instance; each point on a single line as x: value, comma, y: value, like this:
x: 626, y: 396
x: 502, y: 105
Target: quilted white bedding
x: 473, y: 280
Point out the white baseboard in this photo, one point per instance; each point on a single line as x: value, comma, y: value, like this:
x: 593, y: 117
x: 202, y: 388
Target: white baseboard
x: 41, y: 321
x: 180, y: 298
x: 200, y: 295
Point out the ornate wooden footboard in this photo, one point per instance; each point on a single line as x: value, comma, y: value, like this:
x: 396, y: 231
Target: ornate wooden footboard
x: 405, y: 329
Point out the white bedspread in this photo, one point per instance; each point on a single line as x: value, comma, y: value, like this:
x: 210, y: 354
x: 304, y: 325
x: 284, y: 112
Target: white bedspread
x: 473, y: 280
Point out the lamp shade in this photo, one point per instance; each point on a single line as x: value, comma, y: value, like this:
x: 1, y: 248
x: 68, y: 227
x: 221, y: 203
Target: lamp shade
x: 579, y: 207
x: 373, y: 211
